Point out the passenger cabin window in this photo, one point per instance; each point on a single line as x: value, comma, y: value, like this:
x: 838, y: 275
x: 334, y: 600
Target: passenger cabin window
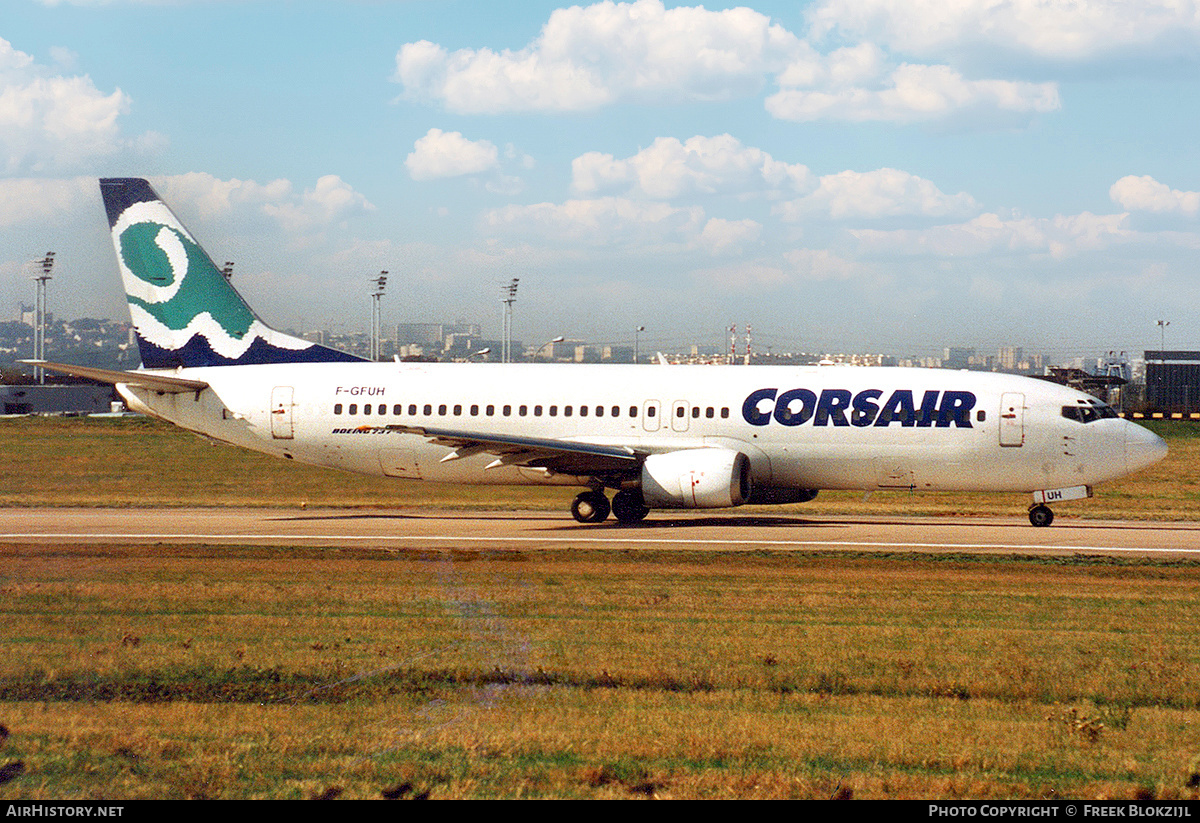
x: 522, y: 410
x: 725, y: 413
x: 491, y: 410
x: 428, y: 409
x: 567, y: 411
x: 337, y: 408
x: 353, y: 408
x: 537, y: 411
x: 397, y: 409
x: 442, y: 409
x: 366, y: 408
x: 474, y: 410
x: 412, y: 408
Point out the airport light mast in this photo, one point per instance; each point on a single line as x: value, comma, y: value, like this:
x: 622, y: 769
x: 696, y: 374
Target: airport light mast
x: 550, y: 342
x: 637, y: 340
x: 1162, y: 339
x: 46, y: 264
x: 508, y: 296
x: 380, y: 283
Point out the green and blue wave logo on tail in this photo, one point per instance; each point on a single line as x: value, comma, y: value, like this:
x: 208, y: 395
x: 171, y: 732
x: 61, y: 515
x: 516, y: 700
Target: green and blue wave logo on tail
x: 185, y: 313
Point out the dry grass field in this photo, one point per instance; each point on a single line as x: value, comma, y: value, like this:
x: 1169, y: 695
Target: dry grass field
x: 231, y: 673
x: 285, y: 672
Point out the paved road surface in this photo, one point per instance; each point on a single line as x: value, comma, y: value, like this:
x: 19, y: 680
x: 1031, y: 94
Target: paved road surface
x: 720, y: 531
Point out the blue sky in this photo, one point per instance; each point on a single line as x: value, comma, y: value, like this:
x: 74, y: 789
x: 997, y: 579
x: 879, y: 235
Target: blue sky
x: 871, y: 175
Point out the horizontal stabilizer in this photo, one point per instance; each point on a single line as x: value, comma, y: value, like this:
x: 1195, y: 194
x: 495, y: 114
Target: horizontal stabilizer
x: 142, y: 379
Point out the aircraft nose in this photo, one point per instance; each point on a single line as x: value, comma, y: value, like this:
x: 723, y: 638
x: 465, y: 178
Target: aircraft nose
x: 1142, y: 447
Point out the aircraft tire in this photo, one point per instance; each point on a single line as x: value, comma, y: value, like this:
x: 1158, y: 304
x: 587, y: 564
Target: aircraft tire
x: 1041, y: 516
x: 590, y: 507
x: 629, y: 507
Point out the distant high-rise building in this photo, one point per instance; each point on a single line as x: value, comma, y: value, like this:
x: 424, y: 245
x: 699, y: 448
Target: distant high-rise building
x: 422, y: 334
x: 1009, y: 357
x: 958, y: 358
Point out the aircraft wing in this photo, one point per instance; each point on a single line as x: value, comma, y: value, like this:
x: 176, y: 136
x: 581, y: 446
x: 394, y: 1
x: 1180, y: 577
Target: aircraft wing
x: 165, y: 383
x: 559, y: 456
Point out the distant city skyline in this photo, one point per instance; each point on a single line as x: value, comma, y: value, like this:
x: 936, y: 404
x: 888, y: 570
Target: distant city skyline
x: 110, y: 343
x: 842, y: 176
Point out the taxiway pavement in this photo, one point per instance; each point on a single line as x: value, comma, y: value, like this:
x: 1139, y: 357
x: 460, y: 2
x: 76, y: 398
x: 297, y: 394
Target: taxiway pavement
x: 426, y: 529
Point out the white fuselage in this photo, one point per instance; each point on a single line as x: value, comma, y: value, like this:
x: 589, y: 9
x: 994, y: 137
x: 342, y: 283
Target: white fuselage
x: 810, y: 427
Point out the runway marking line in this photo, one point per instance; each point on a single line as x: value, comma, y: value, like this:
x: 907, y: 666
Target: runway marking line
x: 560, y: 539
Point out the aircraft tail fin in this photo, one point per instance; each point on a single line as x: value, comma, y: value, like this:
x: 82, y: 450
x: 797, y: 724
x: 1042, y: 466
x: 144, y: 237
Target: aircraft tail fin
x: 185, y: 312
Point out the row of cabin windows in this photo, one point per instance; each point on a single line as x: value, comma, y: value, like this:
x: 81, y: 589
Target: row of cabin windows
x: 522, y: 411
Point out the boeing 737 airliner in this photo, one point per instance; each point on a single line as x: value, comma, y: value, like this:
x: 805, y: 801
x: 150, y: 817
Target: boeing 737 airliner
x: 659, y: 437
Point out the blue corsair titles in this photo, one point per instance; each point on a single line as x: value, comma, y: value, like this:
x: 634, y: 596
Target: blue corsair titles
x: 655, y: 436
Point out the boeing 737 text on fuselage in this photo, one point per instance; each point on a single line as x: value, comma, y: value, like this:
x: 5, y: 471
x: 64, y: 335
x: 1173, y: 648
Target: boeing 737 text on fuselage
x: 657, y: 437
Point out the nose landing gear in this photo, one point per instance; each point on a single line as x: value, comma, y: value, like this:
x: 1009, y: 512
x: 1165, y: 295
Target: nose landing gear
x: 1040, y: 515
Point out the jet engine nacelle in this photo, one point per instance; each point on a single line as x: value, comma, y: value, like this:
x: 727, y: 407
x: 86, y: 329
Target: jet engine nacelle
x: 696, y: 479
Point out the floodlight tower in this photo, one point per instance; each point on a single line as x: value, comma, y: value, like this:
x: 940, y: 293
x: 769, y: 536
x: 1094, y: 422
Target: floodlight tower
x: 1162, y: 339
x: 46, y: 266
x: 508, y: 296
x: 380, y: 285
x: 637, y: 339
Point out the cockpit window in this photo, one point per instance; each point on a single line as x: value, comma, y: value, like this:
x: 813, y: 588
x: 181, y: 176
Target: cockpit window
x: 1088, y: 410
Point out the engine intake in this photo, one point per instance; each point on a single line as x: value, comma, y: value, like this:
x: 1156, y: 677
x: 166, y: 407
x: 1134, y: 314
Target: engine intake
x: 696, y: 479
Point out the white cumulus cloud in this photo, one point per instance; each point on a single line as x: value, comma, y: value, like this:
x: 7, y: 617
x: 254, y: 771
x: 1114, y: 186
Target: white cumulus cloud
x: 721, y: 236
x: 448, y: 154
x: 1052, y: 29
x: 211, y: 198
x: 990, y: 234
x: 50, y: 121
x: 587, y: 57
x: 1147, y: 194
x: 881, y: 193
x: 25, y: 201
x: 600, y: 222
x: 863, y: 89
x: 642, y: 52
x: 672, y: 168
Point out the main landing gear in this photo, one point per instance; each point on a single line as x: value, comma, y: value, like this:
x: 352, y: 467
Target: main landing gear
x: 1040, y: 515
x: 593, y: 507
x: 590, y: 507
